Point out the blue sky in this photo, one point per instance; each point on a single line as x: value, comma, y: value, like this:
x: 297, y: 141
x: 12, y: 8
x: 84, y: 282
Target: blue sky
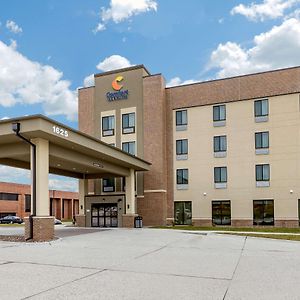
x: 49, y: 47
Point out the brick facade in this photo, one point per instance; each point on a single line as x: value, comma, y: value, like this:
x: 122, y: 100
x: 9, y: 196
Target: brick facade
x: 43, y: 229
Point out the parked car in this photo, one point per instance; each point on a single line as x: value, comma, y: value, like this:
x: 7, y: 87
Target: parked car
x: 57, y: 222
x: 11, y: 220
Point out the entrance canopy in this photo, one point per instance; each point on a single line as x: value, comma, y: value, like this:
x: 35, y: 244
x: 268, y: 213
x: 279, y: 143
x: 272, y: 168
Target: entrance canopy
x: 71, y: 153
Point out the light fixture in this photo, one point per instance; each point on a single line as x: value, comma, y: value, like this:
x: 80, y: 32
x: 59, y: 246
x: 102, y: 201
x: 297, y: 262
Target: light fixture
x: 98, y: 165
x: 204, y: 194
x: 58, y: 165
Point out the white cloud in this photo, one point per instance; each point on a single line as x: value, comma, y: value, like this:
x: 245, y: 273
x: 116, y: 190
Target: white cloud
x: 177, y: 81
x: 120, y: 10
x: 4, y: 118
x: 23, y: 81
x: 113, y: 62
x: 89, y: 81
x: 13, y: 27
x: 63, y: 183
x: 268, y: 9
x: 277, y: 48
x: 9, y: 174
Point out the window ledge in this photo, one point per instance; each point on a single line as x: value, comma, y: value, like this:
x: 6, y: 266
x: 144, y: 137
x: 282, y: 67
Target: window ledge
x: 221, y: 185
x: 182, y: 157
x: 181, y: 127
x: 262, y: 151
x: 182, y: 186
x: 262, y: 183
x: 261, y: 119
x: 220, y: 154
x: 219, y: 123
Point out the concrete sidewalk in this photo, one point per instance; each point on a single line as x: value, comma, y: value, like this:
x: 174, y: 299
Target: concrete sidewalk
x: 151, y: 264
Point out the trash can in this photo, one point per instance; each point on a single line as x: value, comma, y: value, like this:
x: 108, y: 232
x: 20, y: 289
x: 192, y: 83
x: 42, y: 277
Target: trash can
x: 138, y: 222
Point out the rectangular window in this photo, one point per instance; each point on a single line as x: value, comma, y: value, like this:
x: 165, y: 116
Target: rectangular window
x: 181, y: 147
x: 183, y: 213
x: 220, y: 143
x: 181, y: 117
x: 221, y: 212
x: 261, y: 108
x: 129, y: 147
x: 182, y: 176
x: 108, y: 126
x: 220, y: 174
x: 9, y: 196
x: 262, y: 140
x: 263, y: 172
x: 219, y: 113
x: 27, y: 203
x: 128, y: 123
x: 263, y: 212
x: 108, y: 184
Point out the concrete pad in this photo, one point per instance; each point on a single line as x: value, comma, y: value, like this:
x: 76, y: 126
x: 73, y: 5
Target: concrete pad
x: 126, y: 285
x: 22, y: 280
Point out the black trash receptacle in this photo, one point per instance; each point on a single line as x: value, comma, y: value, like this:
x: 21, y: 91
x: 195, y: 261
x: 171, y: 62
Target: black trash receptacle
x: 138, y: 222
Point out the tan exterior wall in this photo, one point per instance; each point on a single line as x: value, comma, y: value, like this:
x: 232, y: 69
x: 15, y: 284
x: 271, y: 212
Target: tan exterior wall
x: 283, y: 157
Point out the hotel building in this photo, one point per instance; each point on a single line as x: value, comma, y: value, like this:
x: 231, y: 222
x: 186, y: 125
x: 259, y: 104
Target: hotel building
x: 223, y: 152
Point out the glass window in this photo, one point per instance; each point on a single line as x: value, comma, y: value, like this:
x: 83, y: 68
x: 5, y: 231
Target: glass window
x: 183, y: 213
x: 221, y: 212
x: 181, y: 117
x: 220, y: 174
x: 263, y: 172
x: 181, y: 147
x: 182, y: 176
x: 108, y: 184
x: 108, y: 125
x: 261, y: 108
x: 128, y: 123
x: 9, y: 196
x: 220, y: 143
x: 129, y: 147
x: 263, y: 212
x: 27, y: 203
x: 261, y: 140
x: 219, y: 113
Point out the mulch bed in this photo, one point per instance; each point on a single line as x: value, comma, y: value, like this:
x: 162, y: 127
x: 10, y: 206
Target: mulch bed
x: 17, y: 238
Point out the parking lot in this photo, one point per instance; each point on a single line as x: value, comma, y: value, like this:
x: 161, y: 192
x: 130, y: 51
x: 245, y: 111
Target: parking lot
x: 149, y: 264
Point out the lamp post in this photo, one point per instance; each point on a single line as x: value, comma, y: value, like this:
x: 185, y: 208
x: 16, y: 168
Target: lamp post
x: 16, y: 127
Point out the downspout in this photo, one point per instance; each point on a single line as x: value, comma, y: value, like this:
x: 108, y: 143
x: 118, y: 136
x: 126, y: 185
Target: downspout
x: 16, y: 128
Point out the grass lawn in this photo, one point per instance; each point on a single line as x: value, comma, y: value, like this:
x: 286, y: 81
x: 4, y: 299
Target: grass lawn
x: 11, y: 225
x: 269, y: 236
x: 227, y: 228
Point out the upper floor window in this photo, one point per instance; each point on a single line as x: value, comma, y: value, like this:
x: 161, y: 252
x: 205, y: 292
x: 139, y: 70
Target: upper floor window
x: 220, y: 174
x: 220, y: 143
x: 263, y: 172
x: 181, y: 147
x: 181, y: 120
x: 128, y: 123
x: 262, y: 140
x: 219, y: 113
x: 182, y: 176
x: 108, y: 184
x: 261, y: 108
x: 129, y: 147
x: 9, y: 196
x: 108, y: 125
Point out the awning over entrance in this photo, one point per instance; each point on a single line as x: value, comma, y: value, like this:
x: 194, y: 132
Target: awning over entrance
x: 71, y: 153
x: 46, y: 146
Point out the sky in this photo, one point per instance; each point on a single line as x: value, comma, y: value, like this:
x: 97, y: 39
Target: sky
x: 50, y: 48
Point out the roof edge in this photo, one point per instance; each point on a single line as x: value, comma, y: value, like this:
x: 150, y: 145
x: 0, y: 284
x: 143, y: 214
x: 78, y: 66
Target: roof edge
x: 135, y: 67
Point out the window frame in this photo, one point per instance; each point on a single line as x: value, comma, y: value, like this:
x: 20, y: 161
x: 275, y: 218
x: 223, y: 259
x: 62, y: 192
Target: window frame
x: 128, y: 145
x: 9, y: 196
x: 108, y: 131
x: 263, y: 212
x: 217, y: 142
x: 217, y: 113
x: 128, y: 129
x: 221, y: 203
x: 220, y: 179
x: 181, y: 179
x: 260, y: 137
x: 113, y: 186
x: 180, y: 143
x: 261, y: 178
x: 258, y: 110
x: 177, y: 118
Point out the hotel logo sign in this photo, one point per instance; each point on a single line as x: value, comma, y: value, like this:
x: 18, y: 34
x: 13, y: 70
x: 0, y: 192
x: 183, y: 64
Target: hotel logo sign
x: 119, y: 93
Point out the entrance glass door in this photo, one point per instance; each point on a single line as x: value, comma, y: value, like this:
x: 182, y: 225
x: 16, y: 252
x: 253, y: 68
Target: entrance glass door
x: 183, y: 213
x: 105, y: 215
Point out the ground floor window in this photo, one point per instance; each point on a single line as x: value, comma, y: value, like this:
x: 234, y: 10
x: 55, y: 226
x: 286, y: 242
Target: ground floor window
x: 221, y: 212
x: 263, y: 212
x: 183, y: 213
x: 108, y: 184
x: 104, y: 215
